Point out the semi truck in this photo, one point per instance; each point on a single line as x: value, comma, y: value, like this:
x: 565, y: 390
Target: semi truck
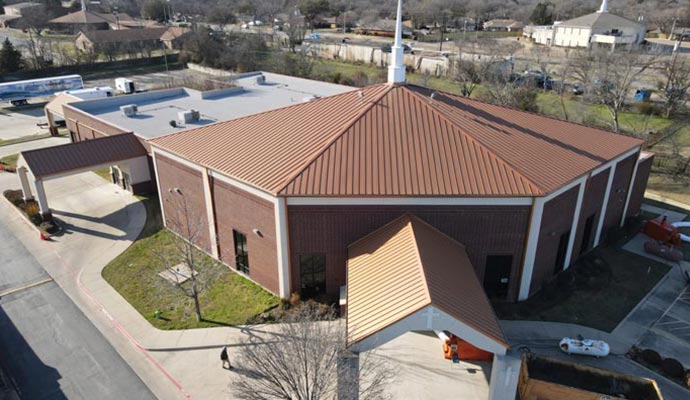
x: 19, y: 92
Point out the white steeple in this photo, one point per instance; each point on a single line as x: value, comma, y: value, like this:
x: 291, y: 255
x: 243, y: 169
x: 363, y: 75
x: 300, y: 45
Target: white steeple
x: 604, y: 6
x: 396, y: 70
x: 83, y: 5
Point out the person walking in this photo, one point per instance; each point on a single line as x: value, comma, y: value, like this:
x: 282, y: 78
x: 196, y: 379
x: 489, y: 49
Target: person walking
x: 224, y: 358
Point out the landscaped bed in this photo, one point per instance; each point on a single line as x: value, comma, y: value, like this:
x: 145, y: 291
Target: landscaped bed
x: 598, y: 291
x: 230, y: 300
x: 32, y: 212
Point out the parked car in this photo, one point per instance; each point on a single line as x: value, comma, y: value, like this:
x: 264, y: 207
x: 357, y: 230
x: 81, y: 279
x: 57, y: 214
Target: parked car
x: 406, y: 49
x: 314, y: 36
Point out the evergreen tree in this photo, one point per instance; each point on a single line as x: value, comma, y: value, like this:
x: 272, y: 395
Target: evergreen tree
x: 542, y: 14
x: 10, y: 58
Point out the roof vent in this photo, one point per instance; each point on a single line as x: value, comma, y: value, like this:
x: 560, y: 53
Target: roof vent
x: 309, y: 98
x: 260, y: 80
x: 187, y: 117
x: 129, y: 110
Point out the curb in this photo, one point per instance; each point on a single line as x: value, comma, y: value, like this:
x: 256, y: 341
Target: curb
x: 43, y: 235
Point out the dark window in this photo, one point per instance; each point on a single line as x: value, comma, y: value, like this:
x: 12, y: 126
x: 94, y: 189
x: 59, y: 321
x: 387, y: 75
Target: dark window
x: 241, y: 255
x: 587, y: 234
x: 72, y: 137
x: 312, y: 269
x: 562, y: 249
x: 497, y: 276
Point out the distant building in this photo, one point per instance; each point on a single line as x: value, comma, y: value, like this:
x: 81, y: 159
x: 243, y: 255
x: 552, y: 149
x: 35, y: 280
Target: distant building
x: 101, y: 41
x: 384, y: 27
x: 597, y: 29
x: 19, y: 9
x: 174, y: 36
x: 14, y: 12
x: 84, y: 20
x: 502, y: 25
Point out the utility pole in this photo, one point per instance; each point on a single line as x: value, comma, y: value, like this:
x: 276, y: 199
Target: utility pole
x: 673, y: 28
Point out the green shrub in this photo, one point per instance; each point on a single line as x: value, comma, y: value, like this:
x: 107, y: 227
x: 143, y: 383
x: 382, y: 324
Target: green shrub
x: 650, y: 357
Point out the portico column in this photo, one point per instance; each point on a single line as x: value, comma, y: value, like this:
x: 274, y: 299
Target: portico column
x: 505, y: 372
x: 26, y: 188
x: 42, y: 199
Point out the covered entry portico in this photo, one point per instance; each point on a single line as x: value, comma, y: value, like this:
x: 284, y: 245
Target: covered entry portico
x: 408, y: 276
x: 36, y: 166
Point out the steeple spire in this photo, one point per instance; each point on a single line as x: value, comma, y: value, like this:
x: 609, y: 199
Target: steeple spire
x: 396, y: 70
x: 604, y: 6
x: 83, y: 5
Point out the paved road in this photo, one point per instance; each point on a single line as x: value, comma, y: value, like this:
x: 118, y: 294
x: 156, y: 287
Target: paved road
x: 47, y: 345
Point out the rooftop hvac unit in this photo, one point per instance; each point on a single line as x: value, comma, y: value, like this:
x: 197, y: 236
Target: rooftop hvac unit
x: 129, y: 110
x: 260, y: 80
x: 196, y: 115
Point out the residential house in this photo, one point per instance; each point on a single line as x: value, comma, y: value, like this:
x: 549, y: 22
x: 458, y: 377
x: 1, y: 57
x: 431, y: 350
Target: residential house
x: 502, y: 25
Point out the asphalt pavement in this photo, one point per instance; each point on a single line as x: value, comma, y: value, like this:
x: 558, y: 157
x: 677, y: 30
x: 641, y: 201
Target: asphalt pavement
x: 48, y: 347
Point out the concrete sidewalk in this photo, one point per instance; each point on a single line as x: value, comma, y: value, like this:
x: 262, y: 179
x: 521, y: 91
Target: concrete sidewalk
x: 32, y: 144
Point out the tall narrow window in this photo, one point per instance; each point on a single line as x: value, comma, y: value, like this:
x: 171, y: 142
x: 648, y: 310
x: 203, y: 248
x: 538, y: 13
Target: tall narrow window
x: 562, y: 249
x: 587, y: 234
x: 241, y: 255
x: 312, y: 274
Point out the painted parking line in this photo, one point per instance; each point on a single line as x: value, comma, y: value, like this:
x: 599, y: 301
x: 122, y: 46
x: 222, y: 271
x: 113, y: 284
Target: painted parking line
x: 22, y: 288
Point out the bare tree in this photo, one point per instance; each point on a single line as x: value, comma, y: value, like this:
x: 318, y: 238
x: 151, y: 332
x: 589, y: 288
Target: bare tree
x: 190, y: 270
x: 299, y: 361
x: 295, y: 29
x: 675, y: 90
x: 614, y: 73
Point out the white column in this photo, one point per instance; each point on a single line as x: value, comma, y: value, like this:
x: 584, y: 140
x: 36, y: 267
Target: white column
x: 158, y: 186
x: 280, y: 211
x: 576, y: 220
x: 41, y: 197
x: 604, y: 204
x: 505, y: 373
x: 396, y: 70
x: 630, y: 189
x: 210, y: 214
x: 531, y: 248
x: 24, y: 180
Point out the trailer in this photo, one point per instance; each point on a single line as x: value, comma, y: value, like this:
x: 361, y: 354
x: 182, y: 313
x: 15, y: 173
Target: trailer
x: 18, y: 92
x: 545, y: 378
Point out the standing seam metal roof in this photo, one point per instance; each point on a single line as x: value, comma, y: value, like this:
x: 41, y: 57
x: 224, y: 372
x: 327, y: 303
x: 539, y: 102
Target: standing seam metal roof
x: 408, y: 265
x: 395, y: 140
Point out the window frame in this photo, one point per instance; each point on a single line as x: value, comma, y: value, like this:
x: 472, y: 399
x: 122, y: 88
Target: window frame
x: 241, y: 251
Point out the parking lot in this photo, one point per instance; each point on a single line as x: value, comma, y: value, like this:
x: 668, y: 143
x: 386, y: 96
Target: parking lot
x: 20, y: 122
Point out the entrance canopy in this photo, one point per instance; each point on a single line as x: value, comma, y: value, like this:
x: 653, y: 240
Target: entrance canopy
x: 72, y: 157
x: 408, y: 276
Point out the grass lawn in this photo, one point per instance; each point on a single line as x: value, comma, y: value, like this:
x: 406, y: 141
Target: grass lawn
x: 10, y: 160
x: 230, y: 300
x: 597, y: 297
x: 104, y: 173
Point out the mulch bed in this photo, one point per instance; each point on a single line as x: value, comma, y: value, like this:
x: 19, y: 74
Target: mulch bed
x: 31, y: 209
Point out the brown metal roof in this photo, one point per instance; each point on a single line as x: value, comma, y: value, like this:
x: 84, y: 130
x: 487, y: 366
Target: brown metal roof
x: 394, y: 140
x: 74, y: 156
x: 408, y: 265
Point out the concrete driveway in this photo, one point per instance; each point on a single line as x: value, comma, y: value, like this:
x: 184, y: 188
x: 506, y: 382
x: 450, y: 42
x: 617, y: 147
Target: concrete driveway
x: 20, y: 122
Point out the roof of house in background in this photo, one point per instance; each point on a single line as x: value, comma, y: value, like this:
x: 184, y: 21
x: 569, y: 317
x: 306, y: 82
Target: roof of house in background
x: 398, y: 140
x: 123, y: 35
x: 406, y: 266
x: 90, y: 17
x: 75, y: 156
x: 601, y: 20
x: 175, y: 32
x: 503, y: 23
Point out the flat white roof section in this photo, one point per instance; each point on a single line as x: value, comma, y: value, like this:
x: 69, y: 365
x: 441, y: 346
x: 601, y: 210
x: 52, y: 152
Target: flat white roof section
x: 252, y: 95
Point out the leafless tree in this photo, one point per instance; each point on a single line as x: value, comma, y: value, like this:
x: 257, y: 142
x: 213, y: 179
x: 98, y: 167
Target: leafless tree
x: 299, y: 361
x: 674, y: 90
x: 610, y: 74
x: 191, y: 271
x: 295, y: 29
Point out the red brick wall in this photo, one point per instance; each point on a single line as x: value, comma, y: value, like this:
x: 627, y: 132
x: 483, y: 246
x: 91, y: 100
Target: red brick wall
x: 591, y: 205
x: 643, y: 170
x: 557, y: 219
x: 87, y: 127
x: 239, y: 210
x: 172, y: 175
x: 484, y: 230
x: 619, y: 192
